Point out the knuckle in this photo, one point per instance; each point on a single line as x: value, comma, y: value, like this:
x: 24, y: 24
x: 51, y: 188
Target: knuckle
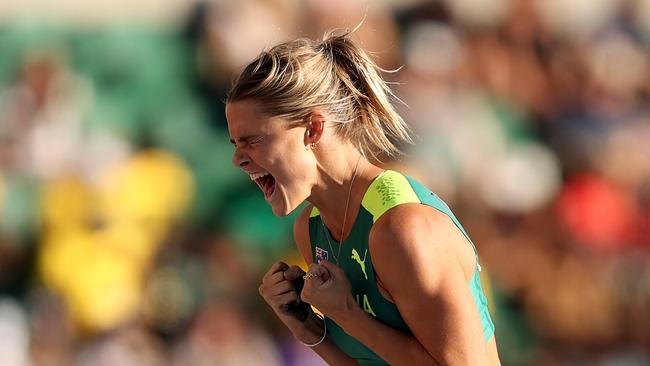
x: 305, y: 295
x: 277, y: 277
x: 298, y: 269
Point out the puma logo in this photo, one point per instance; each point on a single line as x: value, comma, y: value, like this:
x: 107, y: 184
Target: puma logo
x: 362, y: 263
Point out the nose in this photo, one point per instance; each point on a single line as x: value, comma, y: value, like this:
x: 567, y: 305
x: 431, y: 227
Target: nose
x: 240, y: 159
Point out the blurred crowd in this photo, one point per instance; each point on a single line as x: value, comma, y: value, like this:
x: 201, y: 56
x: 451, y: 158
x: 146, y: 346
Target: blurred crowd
x: 127, y: 238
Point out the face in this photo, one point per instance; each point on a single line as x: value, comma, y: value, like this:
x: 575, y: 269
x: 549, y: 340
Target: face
x: 272, y: 154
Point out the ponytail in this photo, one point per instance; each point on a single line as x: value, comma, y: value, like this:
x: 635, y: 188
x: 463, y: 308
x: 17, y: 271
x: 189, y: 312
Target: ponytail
x: 293, y: 78
x: 377, y: 128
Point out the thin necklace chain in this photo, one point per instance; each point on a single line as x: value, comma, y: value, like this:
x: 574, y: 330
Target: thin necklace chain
x: 345, y: 216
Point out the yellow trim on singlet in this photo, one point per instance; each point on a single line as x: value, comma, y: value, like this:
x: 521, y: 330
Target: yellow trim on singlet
x: 387, y: 191
x: 314, y: 212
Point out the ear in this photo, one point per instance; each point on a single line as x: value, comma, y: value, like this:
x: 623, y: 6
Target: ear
x: 315, y: 127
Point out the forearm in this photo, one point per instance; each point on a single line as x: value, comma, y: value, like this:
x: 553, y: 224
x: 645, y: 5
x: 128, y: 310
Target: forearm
x: 394, y: 346
x: 312, y: 332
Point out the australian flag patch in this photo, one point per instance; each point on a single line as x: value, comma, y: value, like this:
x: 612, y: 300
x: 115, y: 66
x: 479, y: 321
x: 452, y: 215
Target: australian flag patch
x: 321, y: 254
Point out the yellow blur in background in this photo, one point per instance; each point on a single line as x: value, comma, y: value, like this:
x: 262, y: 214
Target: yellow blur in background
x: 98, y: 241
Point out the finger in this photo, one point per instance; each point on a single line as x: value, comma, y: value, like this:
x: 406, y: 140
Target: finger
x: 314, y: 278
x: 331, y: 268
x: 271, y: 282
x: 316, y: 269
x: 298, y: 282
x: 274, y: 279
x: 275, y: 268
x: 293, y: 273
x: 315, y: 282
x: 320, y: 271
x: 282, y: 302
x: 306, y: 294
x: 269, y: 294
x: 280, y: 288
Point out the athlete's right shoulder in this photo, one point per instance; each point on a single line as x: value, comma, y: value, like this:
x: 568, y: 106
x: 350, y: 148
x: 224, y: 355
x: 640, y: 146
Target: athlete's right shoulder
x: 305, y: 214
x: 301, y: 232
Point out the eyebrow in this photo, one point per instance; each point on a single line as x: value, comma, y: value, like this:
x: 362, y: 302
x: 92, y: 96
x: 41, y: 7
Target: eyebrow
x: 242, y: 139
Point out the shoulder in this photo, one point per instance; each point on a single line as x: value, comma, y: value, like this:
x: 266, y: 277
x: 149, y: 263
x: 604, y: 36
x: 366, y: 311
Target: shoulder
x: 423, y: 262
x: 301, y: 233
x: 411, y: 221
x: 414, y: 236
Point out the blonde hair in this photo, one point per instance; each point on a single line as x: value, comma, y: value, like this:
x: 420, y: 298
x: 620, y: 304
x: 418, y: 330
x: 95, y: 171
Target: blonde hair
x: 296, y: 77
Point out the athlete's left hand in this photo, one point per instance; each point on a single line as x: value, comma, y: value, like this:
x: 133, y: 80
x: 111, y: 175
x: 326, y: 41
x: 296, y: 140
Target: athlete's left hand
x: 328, y: 289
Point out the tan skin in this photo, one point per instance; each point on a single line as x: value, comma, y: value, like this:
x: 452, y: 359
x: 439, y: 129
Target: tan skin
x: 439, y: 259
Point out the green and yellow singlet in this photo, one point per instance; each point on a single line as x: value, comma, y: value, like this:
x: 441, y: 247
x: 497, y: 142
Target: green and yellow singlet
x: 387, y: 191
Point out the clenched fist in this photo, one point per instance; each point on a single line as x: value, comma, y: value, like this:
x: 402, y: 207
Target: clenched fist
x: 281, y: 287
x: 328, y: 289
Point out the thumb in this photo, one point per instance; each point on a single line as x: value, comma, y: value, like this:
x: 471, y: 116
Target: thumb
x: 293, y: 273
x: 331, y: 267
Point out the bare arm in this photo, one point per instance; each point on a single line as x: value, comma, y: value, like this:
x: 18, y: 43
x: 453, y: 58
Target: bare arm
x: 313, y: 331
x: 423, y: 262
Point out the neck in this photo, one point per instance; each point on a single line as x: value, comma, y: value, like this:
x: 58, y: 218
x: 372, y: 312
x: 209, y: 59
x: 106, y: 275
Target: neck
x: 336, y: 182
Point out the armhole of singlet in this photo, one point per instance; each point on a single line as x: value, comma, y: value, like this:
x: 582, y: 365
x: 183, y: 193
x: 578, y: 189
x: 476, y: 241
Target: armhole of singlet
x: 392, y: 188
x: 440, y: 205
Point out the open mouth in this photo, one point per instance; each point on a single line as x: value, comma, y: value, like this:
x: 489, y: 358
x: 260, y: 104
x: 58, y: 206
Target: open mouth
x: 266, y: 183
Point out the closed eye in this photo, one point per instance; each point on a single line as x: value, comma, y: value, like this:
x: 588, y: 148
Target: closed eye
x: 246, y: 141
x: 256, y: 140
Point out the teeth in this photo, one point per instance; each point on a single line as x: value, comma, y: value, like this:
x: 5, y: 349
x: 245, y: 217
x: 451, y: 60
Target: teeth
x: 256, y: 176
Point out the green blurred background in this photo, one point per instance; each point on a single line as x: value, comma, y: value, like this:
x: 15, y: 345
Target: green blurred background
x: 127, y: 237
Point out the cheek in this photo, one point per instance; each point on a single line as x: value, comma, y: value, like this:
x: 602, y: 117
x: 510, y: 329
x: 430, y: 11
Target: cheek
x: 297, y: 163
x: 289, y: 158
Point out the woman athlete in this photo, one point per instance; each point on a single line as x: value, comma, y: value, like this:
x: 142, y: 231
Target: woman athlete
x: 391, y: 270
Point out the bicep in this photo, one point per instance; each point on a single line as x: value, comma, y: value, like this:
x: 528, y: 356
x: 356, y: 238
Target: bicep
x: 445, y: 321
x: 431, y: 291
